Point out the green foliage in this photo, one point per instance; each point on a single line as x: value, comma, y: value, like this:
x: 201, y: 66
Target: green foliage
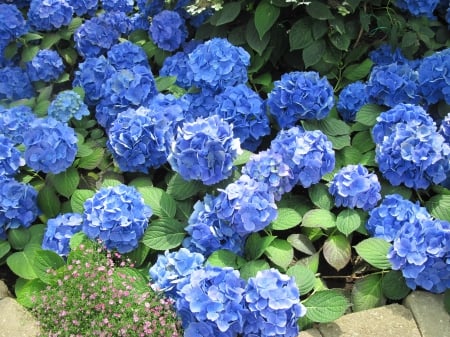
x: 374, y: 251
x: 325, y: 306
x: 367, y: 293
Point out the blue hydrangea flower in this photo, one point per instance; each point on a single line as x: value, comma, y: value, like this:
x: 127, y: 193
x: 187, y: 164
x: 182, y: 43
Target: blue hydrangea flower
x: 18, y: 204
x: 351, y: 99
x: 117, y: 216
x: 309, y: 154
x: 393, y: 84
x: 300, y: 95
x: 168, y: 30
x: 139, y: 140
x: 91, y: 76
x: 204, y: 150
x: 12, y: 24
x: 217, y: 64
x: 18, y: 3
x: 150, y: 8
x: 118, y: 21
x: 171, y: 268
x: 171, y: 108
x: 82, y: 7
x: 385, y: 55
x: 15, y: 84
x: 444, y: 128
x: 201, y: 104
x: 125, y: 6
x: 434, y: 77
x: 10, y: 157
x: 418, y: 7
x: 14, y: 120
x: 126, y: 88
x: 244, y: 109
x: 50, y: 145
x: 139, y: 21
x: 125, y: 55
x: 214, y: 296
x: 176, y: 65
x: 354, y: 186
x: 47, y: 15
x: 66, y: 105
x: 273, y: 303
x: 247, y: 205
x: 46, y: 66
x: 59, y: 231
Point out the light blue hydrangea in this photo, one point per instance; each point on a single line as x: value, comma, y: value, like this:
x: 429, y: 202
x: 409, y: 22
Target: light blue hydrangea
x: 48, y: 15
x: 46, y: 66
x: 15, y: 84
x: 12, y: 24
x: 14, y: 121
x: 10, y: 157
x: 351, y: 99
x: 434, y: 77
x: 171, y: 108
x: 59, y: 230
x: 66, y: 105
x: 168, y: 30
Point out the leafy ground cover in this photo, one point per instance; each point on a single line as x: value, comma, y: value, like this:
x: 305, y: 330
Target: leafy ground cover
x: 254, y: 167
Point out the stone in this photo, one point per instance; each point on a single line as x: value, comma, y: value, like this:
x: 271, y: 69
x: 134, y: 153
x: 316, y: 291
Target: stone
x: 392, y: 320
x: 310, y: 333
x: 429, y: 313
x: 4, y: 292
x: 15, y: 320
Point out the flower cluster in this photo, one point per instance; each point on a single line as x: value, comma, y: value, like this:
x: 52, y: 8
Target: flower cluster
x: 168, y: 30
x: 125, y: 55
x: 66, y: 105
x: 118, y: 5
x: 12, y: 25
x: 444, y: 128
x: 47, y: 15
x: 351, y: 99
x: 434, y: 77
x: 50, y: 145
x: 46, y: 66
x: 204, y: 150
x: 177, y: 65
x: 15, y: 84
x: 10, y: 157
x: 385, y: 55
x: 84, y: 7
x: 353, y: 186
x: 117, y: 216
x: 59, y: 230
x: 171, y: 108
x: 418, y: 7
x: 14, y: 120
x: 300, y: 95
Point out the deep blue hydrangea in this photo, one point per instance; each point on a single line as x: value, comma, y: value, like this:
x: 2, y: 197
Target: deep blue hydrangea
x: 204, y: 150
x: 418, y: 7
x: 176, y: 65
x: 118, y: 21
x: 125, y: 6
x: 139, y: 21
x: 15, y: 84
x: 12, y: 24
x: 140, y: 139
x: 18, y: 204
x: 444, y: 128
x: 46, y: 66
x: 150, y: 8
x: 394, y: 212
x: 171, y: 268
x: 309, y: 154
x: 351, y: 99
x: 247, y: 205
x: 66, y: 105
x: 91, y: 76
x: 300, y: 95
x: 385, y: 55
x: 173, y: 109
x: 393, y: 84
x: 168, y: 30
x: 201, y: 104
x: 214, y: 296
x: 14, y: 121
x: 47, y: 15
x: 82, y: 7
x: 244, y: 109
x: 10, y: 157
x: 59, y: 230
x: 18, y: 3
x: 117, y: 216
x: 422, y: 251
x: 434, y: 77
x: 125, y: 55
x: 217, y: 64
x: 269, y: 168
x: 354, y: 186
x: 273, y: 303
x: 126, y: 88
x: 50, y: 145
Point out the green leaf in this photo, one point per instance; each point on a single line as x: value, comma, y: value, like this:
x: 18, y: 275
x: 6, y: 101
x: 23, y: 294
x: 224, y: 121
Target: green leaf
x: 348, y: 221
x: 251, y: 268
x: 337, y: 251
x: 243, y: 158
x: 319, y: 10
x: 31, y: 37
x: 265, y: 16
x: 304, y: 278
x: 228, y: 13
x: 163, y: 83
x: 313, y: 52
x: 48, y: 201
x: 339, y: 142
x: 77, y: 239
x: 141, y: 182
x: 363, y: 142
x: 26, y: 289
x: 287, y: 218
x: 18, y: 237
x: 368, y: 114
x: 310, y: 262
x: 84, y: 150
x: 111, y: 182
x: 394, y: 285
x: 21, y: 264
x: 91, y: 161
x: 181, y: 189
x: 319, y: 195
x: 254, y: 41
x: 162, y: 203
x: 319, y: 218
x: 164, y: 234
x: 226, y: 258
x: 5, y: 247
x: 374, y: 251
x: 367, y: 293
x: 280, y: 252
x: 447, y: 300
x: 256, y: 245
x: 340, y: 41
x: 138, y: 255
x: 78, y: 198
x: 302, y: 243
x: 300, y: 35
x: 49, y: 40
x: 359, y: 71
x: 330, y: 126
x: 439, y: 206
x: 325, y: 306
x: 350, y: 156
x: 29, y: 52
x: 65, y: 183
x: 69, y: 55
x: 46, y: 261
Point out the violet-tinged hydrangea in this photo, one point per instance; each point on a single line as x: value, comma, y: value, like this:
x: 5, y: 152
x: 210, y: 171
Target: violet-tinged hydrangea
x: 18, y: 204
x: 82, y: 7
x: 47, y: 15
x: 204, y: 150
x: 139, y: 139
x: 214, y: 296
x: 354, y: 186
x: 421, y: 252
x: 117, y: 216
x: 385, y: 55
x: 59, y: 230
x: 394, y: 212
x: 273, y: 303
x: 91, y: 76
x: 126, y: 55
x: 125, y: 6
x: 15, y: 84
x: 171, y: 268
x: 217, y: 64
x: 66, y: 105
x: 434, y: 77
x: 176, y: 65
x: 50, y: 145
x: 393, y: 84
x: 46, y: 66
x: 168, y: 30
x: 10, y: 157
x: 14, y: 120
x: 351, y: 99
x: 244, y: 109
x: 126, y: 88
x: 12, y: 24
x: 418, y: 7
x: 309, y: 154
x: 298, y: 96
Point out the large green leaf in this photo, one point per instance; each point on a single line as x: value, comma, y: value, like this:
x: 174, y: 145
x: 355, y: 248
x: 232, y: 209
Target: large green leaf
x: 367, y: 293
x: 5, y: 247
x: 318, y: 10
x: 374, y: 251
x: 19, y: 237
x: 368, y: 114
x: 319, y: 218
x: 358, y: 71
x: 325, y: 306
x: 26, y: 290
x: 226, y: 258
x: 91, y: 161
x: 304, y: 278
x: 302, y: 243
x: 162, y: 204
x: 251, y: 268
x: 287, y: 218
x: 266, y: 15
x: 300, y: 35
x: 347, y: 221
x: 337, y: 251
x: 78, y: 199
x: 164, y: 234
x: 311, y: 54
x: 280, y: 252
x: 319, y: 195
x: 48, y: 201
x: 46, y: 261
x: 181, y: 189
x: 227, y: 14
x: 254, y: 41
x: 394, y: 285
x: 65, y: 183
x: 256, y: 245
x: 439, y: 206
x: 21, y: 263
